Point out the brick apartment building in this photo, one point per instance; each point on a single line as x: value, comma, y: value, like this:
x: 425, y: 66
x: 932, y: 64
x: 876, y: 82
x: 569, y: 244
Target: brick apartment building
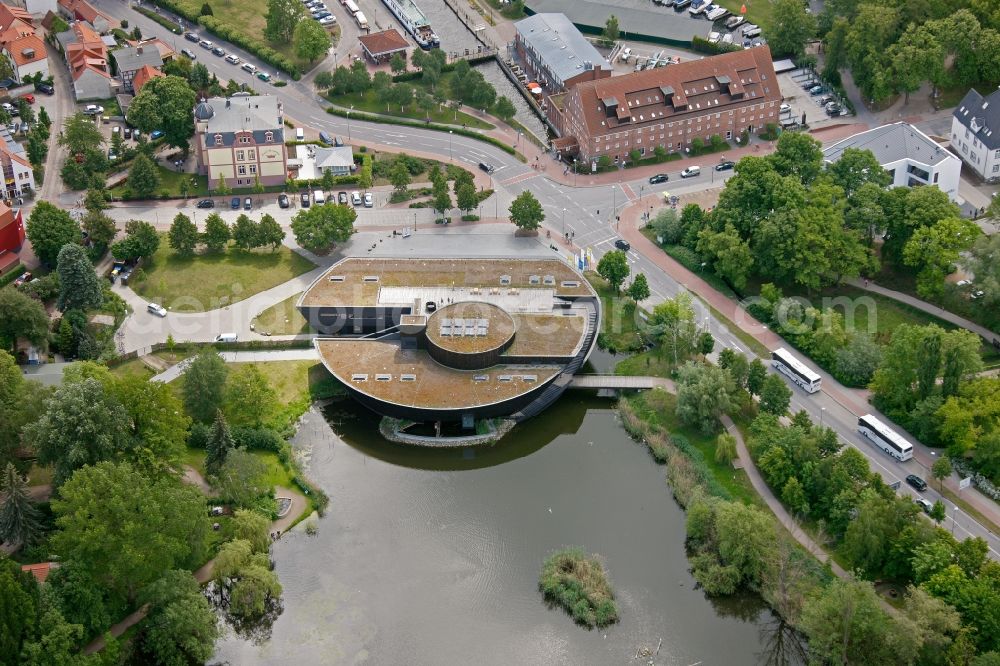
x: 669, y: 106
x: 554, y: 54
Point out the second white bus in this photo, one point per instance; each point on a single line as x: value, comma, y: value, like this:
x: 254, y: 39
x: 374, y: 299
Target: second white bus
x: 788, y: 365
x: 885, y: 438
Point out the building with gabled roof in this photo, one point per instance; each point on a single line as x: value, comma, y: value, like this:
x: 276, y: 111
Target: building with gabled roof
x: 911, y: 157
x: 668, y: 107
x: 144, y: 76
x: 87, y: 59
x: 380, y: 46
x: 11, y: 229
x: 975, y: 133
x: 131, y: 59
x: 18, y: 176
x: 167, y: 52
x: 81, y: 10
x: 241, y: 139
x: 555, y: 54
x: 20, y: 44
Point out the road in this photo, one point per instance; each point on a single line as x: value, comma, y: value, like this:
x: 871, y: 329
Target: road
x: 588, y: 213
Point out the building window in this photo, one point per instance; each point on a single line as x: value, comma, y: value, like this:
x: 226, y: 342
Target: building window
x: 240, y: 155
x: 974, y: 158
x: 253, y: 169
x: 218, y: 139
x: 729, y: 134
x: 996, y: 168
x: 244, y: 139
x: 241, y: 170
x: 269, y: 136
x: 252, y: 154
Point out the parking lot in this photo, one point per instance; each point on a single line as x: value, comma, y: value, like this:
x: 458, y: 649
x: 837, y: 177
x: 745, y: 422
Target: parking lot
x: 804, y: 104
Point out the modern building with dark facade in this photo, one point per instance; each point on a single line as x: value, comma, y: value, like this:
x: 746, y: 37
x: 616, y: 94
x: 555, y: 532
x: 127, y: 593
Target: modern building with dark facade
x: 448, y: 340
x: 667, y: 107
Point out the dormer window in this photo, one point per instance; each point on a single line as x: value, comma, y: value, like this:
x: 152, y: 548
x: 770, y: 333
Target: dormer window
x: 218, y: 139
x: 269, y: 137
x: 245, y: 139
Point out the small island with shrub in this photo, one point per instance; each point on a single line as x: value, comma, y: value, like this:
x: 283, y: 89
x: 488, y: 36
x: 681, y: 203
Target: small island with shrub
x: 580, y: 585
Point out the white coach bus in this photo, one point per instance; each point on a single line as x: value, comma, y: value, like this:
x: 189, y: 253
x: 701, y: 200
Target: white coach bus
x: 795, y: 370
x: 885, y: 438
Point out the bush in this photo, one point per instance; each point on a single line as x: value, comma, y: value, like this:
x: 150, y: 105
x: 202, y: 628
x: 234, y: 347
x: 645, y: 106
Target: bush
x: 198, y: 436
x: 702, y: 45
x: 257, y: 439
x: 579, y: 584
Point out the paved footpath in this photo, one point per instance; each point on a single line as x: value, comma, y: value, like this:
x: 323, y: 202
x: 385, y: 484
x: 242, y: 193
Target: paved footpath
x: 263, y: 356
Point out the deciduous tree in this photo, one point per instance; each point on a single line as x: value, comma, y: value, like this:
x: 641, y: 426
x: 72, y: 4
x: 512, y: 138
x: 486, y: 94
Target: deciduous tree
x: 792, y: 28
x: 204, y: 385
x: 242, y: 479
x: 941, y: 470
x: 319, y: 228
x: 311, y: 40
x: 216, y: 235
x: 79, y: 286
x: 269, y: 232
x: 165, y: 104
x: 245, y: 233
x: 141, y: 240
x: 181, y: 627
x: 526, y: 212
x: 183, y: 235
x: 639, y: 289
x: 281, y: 18
x: 934, y: 249
x: 100, y: 228
x: 465, y: 196
x: 703, y: 395
x: 504, y: 109
x: 143, y: 178
x: 48, y: 229
x: 21, y: 317
x: 250, y: 400
x: 775, y: 395
x: 614, y: 268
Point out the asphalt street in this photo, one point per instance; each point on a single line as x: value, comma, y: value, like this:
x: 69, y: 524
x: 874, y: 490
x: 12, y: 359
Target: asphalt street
x: 586, y: 212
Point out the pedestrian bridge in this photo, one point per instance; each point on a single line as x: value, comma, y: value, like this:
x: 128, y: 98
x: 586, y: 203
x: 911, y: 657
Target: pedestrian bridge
x: 620, y: 382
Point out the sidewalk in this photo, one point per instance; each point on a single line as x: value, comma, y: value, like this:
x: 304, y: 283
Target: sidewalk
x: 263, y: 356
x: 777, y: 508
x: 981, y: 331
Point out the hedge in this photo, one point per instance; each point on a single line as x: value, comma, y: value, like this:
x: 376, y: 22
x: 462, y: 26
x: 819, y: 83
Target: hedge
x: 14, y: 273
x: 386, y: 120
x: 162, y: 20
x: 704, y: 46
x: 233, y: 35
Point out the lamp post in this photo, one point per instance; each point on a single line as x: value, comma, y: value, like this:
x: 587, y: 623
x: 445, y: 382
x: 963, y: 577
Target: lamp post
x: 349, y: 122
x: 574, y: 172
x: 614, y: 202
x: 822, y: 414
x: 564, y: 222
x: 450, y: 158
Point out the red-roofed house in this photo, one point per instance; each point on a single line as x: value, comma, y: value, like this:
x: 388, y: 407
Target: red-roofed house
x: 40, y: 571
x: 18, y: 177
x: 11, y: 229
x: 81, y: 10
x: 143, y: 76
x: 22, y: 48
x: 87, y: 57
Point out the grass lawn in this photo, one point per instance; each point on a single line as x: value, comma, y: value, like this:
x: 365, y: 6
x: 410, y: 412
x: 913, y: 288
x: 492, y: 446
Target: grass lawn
x: 289, y: 379
x: 758, y: 11
x: 439, y: 114
x: 110, y: 105
x: 657, y: 407
x: 170, y: 184
x: 282, y: 319
x: 39, y: 476
x: 620, y: 323
x: 277, y: 475
x: 645, y: 364
x: 954, y: 299
x: 131, y: 367
x: 209, y: 281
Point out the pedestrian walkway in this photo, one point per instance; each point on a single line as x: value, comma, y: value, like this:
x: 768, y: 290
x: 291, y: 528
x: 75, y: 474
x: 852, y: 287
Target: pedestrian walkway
x: 940, y: 313
x: 777, y: 508
x: 262, y: 356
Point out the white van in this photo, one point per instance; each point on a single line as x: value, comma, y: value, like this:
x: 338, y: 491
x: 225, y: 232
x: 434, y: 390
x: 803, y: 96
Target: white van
x: 691, y: 172
x: 300, y: 134
x: 226, y: 337
x: 319, y: 197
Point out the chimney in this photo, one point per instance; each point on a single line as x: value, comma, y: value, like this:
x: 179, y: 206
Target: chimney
x: 28, y: 53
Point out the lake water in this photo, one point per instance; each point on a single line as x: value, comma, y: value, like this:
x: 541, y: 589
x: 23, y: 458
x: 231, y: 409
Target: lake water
x: 433, y: 556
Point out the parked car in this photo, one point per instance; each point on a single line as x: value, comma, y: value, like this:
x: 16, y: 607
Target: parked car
x: 691, y: 172
x: 206, y: 44
x: 232, y: 60
x: 206, y: 203
x: 248, y: 204
x: 726, y: 165
x: 23, y: 278
x: 263, y: 76
x: 234, y: 203
x: 622, y: 245
x: 92, y: 109
x: 128, y: 132
x: 248, y: 67
x: 155, y: 134
x: 817, y: 90
x: 218, y: 52
x: 29, y: 98
x: 327, y: 20
x: 192, y: 37
x: 342, y: 198
x: 189, y: 53
x: 658, y: 178
x: 916, y: 482
x: 156, y: 309
x: 369, y: 200
x: 45, y: 88
x: 325, y: 138
x: 926, y: 506
x: 338, y: 142
x: 833, y: 109
x: 283, y: 201
x: 784, y: 108
x: 304, y: 199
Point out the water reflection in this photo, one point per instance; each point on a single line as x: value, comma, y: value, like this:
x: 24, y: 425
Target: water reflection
x: 783, y: 645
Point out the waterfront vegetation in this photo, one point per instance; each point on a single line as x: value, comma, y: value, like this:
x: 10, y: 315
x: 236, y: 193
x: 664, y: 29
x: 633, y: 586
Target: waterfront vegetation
x: 579, y: 584
x: 214, y: 279
x: 620, y: 322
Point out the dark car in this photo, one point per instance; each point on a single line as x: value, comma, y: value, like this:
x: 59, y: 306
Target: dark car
x: 833, y: 110
x: 234, y: 203
x: 283, y: 200
x: 189, y: 54
x: 342, y: 198
x: 622, y: 245
x: 487, y: 167
x: 206, y: 203
x: 725, y: 166
x: 248, y: 204
x: 916, y: 482
x: 219, y: 52
x: 658, y: 178
x: 325, y: 138
x: 192, y: 37
x: 817, y: 90
x: 304, y: 199
x: 338, y: 142
x: 45, y: 88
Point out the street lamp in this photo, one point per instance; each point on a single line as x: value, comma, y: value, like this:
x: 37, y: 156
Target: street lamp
x: 574, y: 172
x: 349, y: 122
x: 564, y: 222
x: 450, y: 158
x: 822, y: 413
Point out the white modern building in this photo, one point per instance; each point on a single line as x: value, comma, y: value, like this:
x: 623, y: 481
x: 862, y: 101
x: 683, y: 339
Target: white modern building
x: 911, y: 157
x: 975, y: 133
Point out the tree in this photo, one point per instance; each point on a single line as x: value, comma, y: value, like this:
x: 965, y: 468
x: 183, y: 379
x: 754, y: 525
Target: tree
x: 936, y: 624
x: 983, y: 262
x: 319, y: 228
x: 80, y: 134
x: 673, y: 323
x: 933, y: 250
x: 126, y: 529
x: 526, y: 212
x: 242, y: 479
x: 245, y: 233
x: 798, y: 155
x: 941, y: 470
x: 399, y: 175
x: 220, y: 185
x: 504, y: 109
x: 181, y: 627
x: 141, y: 240
x: 220, y: 443
x: 49, y: 228
x: 269, y: 232
x: 730, y: 256
x: 281, y: 18
x: 206, y: 10
x: 204, y: 385
x: 639, y: 289
x: 311, y: 40
x: 441, y: 198
x: 143, y: 178
x: 79, y: 286
x: 792, y: 28
x: 158, y: 426
x: 216, y: 235
x: 725, y: 449
x: 756, y: 375
x: 19, y: 519
x: 22, y: 317
x: 703, y: 395
x: 706, y: 343
x: 611, y: 32
x: 250, y: 400
x: 397, y: 63
x: 183, y: 235
x: 857, y: 362
x: 165, y: 104
x: 18, y: 609
x: 37, y: 149
x: 938, y: 512
x: 100, y: 228
x: 465, y: 196
x: 775, y: 396
x: 794, y: 497
x: 82, y: 425
x: 736, y: 365
x: 251, y: 527
x: 614, y: 268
